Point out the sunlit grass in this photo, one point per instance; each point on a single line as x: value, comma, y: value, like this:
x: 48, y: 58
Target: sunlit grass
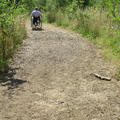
x: 9, y: 42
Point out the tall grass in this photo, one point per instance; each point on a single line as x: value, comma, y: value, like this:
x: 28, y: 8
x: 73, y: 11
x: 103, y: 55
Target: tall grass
x: 10, y: 39
x: 12, y: 30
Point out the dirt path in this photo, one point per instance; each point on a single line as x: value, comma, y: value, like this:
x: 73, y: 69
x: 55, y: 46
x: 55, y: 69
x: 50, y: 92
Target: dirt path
x: 50, y: 80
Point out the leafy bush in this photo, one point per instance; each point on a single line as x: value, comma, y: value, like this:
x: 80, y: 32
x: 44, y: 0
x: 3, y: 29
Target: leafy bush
x: 12, y: 31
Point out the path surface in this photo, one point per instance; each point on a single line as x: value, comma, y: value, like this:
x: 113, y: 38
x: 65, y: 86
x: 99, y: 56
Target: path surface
x: 50, y: 80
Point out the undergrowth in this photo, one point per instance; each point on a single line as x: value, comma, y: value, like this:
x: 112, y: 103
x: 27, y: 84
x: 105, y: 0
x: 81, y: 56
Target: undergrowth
x: 12, y: 31
x: 9, y: 42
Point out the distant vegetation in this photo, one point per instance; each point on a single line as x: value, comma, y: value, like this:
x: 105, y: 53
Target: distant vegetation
x: 98, y: 20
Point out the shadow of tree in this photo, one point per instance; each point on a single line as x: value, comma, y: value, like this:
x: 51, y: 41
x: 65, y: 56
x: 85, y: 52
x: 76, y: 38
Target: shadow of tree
x: 7, y: 79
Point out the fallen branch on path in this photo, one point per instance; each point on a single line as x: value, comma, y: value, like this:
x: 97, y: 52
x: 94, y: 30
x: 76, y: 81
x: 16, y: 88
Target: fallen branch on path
x: 101, y: 77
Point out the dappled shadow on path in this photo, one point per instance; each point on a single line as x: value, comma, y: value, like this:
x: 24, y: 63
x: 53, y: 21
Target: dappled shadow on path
x: 7, y: 79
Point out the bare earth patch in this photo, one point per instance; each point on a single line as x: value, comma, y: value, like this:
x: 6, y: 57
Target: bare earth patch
x: 50, y: 79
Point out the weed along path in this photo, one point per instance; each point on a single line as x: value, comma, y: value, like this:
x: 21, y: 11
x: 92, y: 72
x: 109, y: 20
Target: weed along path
x: 52, y: 78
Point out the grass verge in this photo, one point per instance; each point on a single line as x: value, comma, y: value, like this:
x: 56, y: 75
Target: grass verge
x: 10, y: 39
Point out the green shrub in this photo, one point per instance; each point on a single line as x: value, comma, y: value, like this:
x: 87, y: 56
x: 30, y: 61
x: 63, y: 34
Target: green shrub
x: 12, y: 31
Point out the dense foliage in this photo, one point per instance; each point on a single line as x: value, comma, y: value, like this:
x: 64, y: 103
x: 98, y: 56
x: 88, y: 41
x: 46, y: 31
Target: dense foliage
x: 12, y: 30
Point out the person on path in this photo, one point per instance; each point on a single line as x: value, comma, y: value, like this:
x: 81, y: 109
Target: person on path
x: 36, y: 15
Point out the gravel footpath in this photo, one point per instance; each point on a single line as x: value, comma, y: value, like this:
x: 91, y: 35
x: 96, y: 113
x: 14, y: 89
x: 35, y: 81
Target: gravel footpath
x: 50, y: 79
